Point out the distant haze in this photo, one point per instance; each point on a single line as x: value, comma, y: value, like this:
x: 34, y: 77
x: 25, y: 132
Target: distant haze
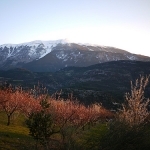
x: 123, y: 24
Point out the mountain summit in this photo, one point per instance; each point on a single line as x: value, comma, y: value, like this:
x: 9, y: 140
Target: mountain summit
x: 54, y: 55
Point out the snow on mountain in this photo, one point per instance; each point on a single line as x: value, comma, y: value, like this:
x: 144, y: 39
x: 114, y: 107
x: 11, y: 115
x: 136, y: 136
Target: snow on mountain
x: 53, y: 55
x: 46, y: 47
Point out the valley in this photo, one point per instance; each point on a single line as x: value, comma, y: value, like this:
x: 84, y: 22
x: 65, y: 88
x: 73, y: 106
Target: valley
x: 104, y: 83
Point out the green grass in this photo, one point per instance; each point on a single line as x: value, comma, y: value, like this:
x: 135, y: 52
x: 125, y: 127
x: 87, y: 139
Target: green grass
x: 90, y: 139
x: 16, y: 136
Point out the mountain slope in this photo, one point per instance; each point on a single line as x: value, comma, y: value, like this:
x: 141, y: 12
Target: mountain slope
x: 53, y: 55
x: 64, y: 55
x: 12, y: 55
x: 106, y: 82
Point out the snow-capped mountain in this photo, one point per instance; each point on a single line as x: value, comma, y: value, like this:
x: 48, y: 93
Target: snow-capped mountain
x: 54, y: 55
x: 26, y: 52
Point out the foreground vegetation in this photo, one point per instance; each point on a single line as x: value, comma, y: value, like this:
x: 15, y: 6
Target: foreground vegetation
x: 16, y: 136
x: 34, y: 120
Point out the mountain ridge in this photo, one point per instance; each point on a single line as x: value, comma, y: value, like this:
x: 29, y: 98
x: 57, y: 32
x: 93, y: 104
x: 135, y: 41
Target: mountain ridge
x: 54, y: 55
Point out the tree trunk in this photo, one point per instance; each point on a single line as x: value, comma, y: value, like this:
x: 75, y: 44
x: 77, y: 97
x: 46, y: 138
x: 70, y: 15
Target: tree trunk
x: 8, y: 120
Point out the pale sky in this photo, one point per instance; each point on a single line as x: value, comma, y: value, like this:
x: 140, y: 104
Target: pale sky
x: 123, y: 24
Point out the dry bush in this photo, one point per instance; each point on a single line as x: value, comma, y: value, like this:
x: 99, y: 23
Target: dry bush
x: 76, y: 113
x: 29, y: 104
x: 71, y: 117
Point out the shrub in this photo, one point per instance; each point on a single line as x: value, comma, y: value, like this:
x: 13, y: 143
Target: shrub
x: 130, y: 130
x: 135, y: 109
x: 41, y: 125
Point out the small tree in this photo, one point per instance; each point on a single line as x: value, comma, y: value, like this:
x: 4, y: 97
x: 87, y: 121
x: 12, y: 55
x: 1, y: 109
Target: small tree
x: 135, y: 110
x: 11, y: 102
x: 129, y: 130
x: 40, y: 124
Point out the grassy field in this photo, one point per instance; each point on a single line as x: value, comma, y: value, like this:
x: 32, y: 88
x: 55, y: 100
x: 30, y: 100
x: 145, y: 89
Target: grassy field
x: 16, y: 136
